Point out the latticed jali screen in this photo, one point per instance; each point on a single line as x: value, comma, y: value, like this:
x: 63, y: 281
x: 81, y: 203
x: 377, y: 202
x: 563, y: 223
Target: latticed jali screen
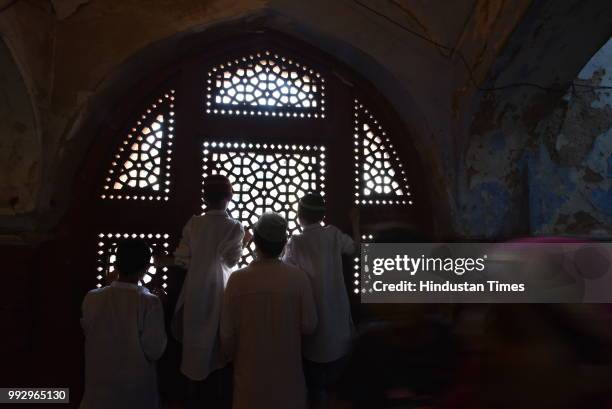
x: 379, y: 174
x: 141, y: 167
x: 107, y: 247
x: 265, y: 84
x: 266, y: 177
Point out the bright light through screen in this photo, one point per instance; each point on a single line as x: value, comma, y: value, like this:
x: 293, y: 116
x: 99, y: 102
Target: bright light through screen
x: 266, y: 178
x: 107, y: 259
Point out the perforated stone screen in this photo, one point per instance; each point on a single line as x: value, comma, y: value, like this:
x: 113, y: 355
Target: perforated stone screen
x: 266, y: 84
x: 141, y: 167
x: 266, y: 177
x: 379, y: 174
x: 106, y: 260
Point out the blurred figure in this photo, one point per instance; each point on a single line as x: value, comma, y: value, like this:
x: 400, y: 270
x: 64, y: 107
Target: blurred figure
x: 318, y: 251
x: 545, y: 356
x: 400, y: 366
x: 549, y: 355
x: 268, y: 306
x: 479, y: 356
x: 124, y: 336
x: 406, y: 355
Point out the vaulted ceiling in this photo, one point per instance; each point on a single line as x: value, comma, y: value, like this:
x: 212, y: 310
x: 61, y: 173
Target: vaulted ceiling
x: 60, y: 59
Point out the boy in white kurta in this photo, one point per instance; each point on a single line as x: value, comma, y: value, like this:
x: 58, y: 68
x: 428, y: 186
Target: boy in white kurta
x: 210, y: 246
x: 124, y: 336
x: 268, y: 306
x: 318, y: 251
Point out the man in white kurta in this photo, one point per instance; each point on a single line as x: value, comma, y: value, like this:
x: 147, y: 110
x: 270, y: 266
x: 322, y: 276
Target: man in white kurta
x: 268, y: 306
x: 124, y: 336
x: 210, y: 246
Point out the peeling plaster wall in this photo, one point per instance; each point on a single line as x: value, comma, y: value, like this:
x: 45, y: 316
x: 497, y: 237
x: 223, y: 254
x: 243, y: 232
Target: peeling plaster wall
x: 27, y: 76
x: 516, y: 173
x: 542, y: 165
x: 570, y: 171
x: 19, y: 143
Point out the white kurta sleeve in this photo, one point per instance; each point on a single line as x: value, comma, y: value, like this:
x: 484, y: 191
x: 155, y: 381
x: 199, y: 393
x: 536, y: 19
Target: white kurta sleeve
x: 231, y: 251
x: 182, y: 254
x: 347, y: 245
x: 226, y: 327
x: 308, y: 308
x: 289, y: 255
x: 153, y: 336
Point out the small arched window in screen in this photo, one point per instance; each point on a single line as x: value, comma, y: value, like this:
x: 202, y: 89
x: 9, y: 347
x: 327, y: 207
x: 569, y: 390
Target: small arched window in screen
x: 266, y: 177
x: 265, y: 84
x: 107, y: 247
x: 379, y: 174
x: 141, y: 168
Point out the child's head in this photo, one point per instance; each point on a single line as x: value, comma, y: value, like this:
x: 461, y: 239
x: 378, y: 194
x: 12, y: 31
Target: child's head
x: 270, y: 235
x: 311, y: 209
x: 217, y: 191
x: 133, y: 257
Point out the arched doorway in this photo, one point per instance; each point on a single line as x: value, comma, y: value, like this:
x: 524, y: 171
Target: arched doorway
x: 277, y: 116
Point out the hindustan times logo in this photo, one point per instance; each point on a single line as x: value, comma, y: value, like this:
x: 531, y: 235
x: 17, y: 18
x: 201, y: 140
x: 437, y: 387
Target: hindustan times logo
x: 412, y: 265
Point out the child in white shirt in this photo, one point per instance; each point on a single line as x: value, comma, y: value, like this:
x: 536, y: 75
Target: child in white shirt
x: 268, y: 307
x: 124, y: 336
x: 318, y: 250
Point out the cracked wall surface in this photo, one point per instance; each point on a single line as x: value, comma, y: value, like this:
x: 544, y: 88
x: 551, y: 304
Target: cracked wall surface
x: 571, y: 169
x: 522, y: 160
x: 542, y: 166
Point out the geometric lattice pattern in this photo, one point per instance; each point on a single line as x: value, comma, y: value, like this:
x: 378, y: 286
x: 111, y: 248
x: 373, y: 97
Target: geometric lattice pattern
x: 365, y: 238
x: 266, y: 177
x: 141, y: 168
x: 379, y: 174
x: 265, y: 84
x: 107, y: 246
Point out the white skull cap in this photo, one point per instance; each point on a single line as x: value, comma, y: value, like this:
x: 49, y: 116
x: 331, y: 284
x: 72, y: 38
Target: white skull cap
x: 271, y: 227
